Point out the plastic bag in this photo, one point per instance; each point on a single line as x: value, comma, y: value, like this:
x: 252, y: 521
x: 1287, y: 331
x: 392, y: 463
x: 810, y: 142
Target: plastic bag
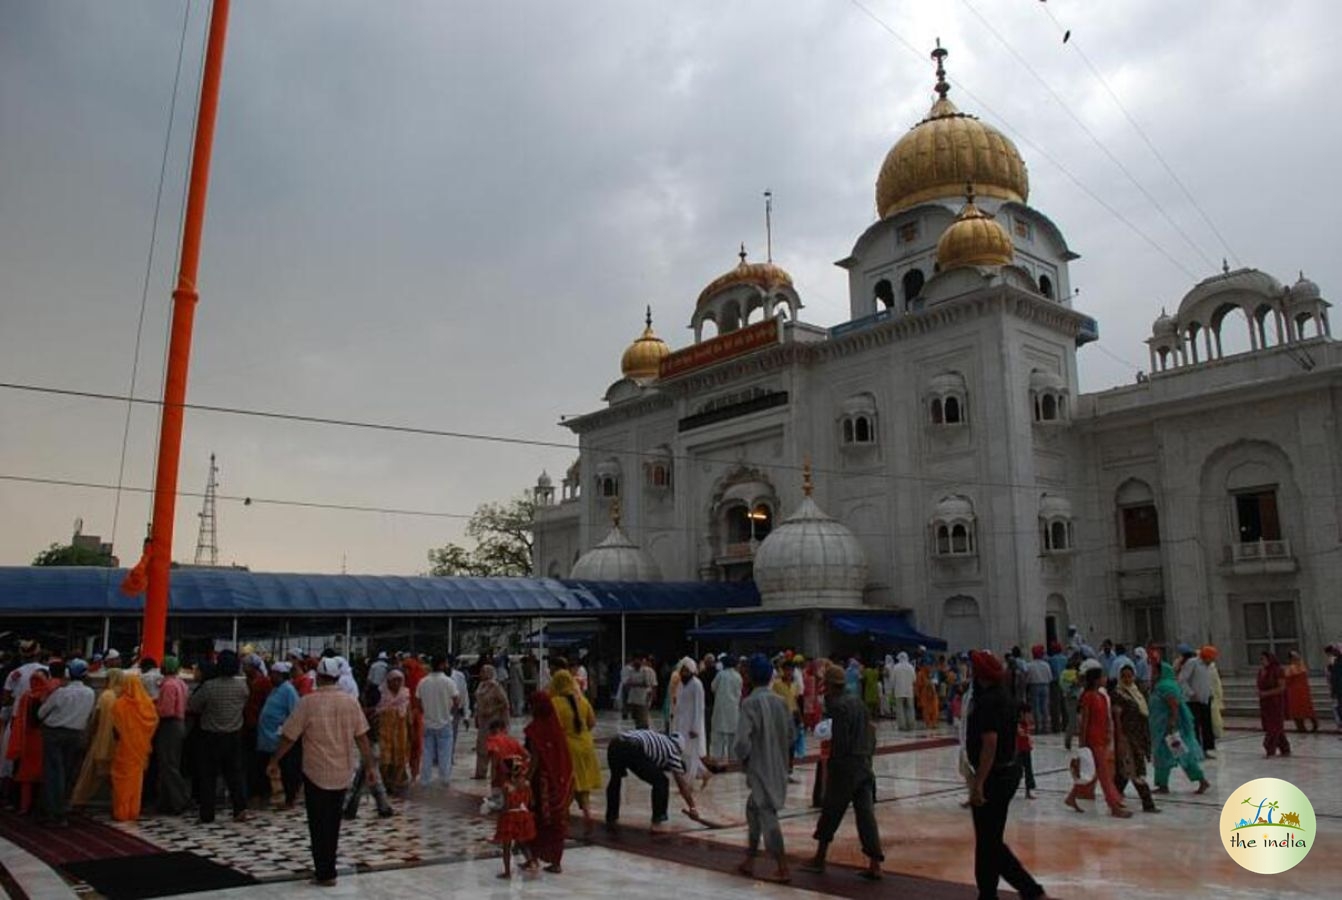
x: 1082, y: 766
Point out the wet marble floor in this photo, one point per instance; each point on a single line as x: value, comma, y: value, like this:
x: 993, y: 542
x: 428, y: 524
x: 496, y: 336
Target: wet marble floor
x: 927, y: 836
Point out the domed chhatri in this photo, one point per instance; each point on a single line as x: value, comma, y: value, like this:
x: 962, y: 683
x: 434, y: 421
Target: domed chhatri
x: 974, y: 239
x: 642, y: 359
x: 810, y: 559
x: 1164, y: 325
x: 764, y: 275
x: 943, y: 151
x: 616, y: 558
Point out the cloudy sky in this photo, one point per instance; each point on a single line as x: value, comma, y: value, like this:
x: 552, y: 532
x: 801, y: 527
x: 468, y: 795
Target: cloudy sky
x: 451, y: 215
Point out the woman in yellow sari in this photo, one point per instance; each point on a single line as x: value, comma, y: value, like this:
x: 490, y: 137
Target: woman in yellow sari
x: 98, y: 760
x: 577, y: 719
x: 393, y: 732
x: 135, y: 720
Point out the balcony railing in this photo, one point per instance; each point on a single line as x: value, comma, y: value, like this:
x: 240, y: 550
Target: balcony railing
x: 1255, y: 551
x: 742, y: 550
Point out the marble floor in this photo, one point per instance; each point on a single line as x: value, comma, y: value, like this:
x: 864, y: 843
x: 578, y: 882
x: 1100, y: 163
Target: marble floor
x: 438, y: 843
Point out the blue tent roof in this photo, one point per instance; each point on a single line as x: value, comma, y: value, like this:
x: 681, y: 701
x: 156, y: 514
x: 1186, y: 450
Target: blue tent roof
x: 745, y: 625
x: 36, y: 590
x: 889, y: 628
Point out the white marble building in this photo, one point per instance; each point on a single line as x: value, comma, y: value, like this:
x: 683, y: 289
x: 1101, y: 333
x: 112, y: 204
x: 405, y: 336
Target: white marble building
x: 991, y: 500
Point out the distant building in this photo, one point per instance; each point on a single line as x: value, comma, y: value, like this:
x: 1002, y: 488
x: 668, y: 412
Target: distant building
x: 989, y: 501
x: 94, y: 544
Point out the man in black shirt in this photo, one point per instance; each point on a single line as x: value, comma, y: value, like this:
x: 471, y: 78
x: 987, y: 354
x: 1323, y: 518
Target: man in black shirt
x: 850, y: 778
x: 990, y: 744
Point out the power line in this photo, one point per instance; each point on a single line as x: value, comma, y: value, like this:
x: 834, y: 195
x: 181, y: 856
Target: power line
x: 1141, y: 132
x: 1066, y: 108
x: 1040, y: 151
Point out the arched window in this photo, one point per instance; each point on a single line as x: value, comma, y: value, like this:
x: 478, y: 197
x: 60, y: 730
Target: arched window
x: 762, y: 521
x: 911, y: 285
x: 608, y: 486
x: 953, y: 526
x: 952, y: 410
x: 1048, y: 408
x: 946, y: 393
x: 661, y: 475
x: 1046, y: 286
x: 862, y: 430
x: 1058, y: 536
x: 938, y: 416
x: 959, y: 539
x: 943, y: 540
x: 738, y: 525
x: 885, y: 293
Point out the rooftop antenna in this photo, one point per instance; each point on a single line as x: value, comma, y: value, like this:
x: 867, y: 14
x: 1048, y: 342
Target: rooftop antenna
x: 768, y: 225
x: 207, y: 542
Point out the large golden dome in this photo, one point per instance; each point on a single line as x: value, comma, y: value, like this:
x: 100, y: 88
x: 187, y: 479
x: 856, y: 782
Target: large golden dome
x: 974, y: 239
x: 764, y: 275
x: 642, y: 360
x: 945, y: 150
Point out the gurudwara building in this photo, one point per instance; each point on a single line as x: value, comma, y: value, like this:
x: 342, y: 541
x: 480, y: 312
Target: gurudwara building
x: 959, y: 476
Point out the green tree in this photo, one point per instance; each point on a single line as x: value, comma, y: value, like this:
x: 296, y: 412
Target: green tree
x: 502, y: 536
x: 70, y: 555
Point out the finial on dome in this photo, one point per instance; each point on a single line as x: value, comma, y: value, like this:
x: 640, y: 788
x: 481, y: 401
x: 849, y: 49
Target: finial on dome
x: 940, y: 54
x: 969, y: 193
x: 742, y: 253
x: 615, y: 513
x: 647, y: 320
x: 1225, y: 266
x: 807, y: 486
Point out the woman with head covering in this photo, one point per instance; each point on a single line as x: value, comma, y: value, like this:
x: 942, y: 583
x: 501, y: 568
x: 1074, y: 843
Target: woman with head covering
x: 98, y: 760
x: 1174, y: 740
x: 1141, y: 669
x: 135, y: 719
x: 393, y: 731
x: 1299, y: 703
x: 925, y: 693
x: 577, y: 719
x: 25, y: 736
x: 1272, y: 705
x: 1097, y: 735
x: 491, y: 707
x: 551, y: 780
x: 852, y: 682
x: 871, y: 691
x: 1132, y: 734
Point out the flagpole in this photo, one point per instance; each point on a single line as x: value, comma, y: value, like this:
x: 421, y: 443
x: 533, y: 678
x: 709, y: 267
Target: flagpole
x: 184, y: 300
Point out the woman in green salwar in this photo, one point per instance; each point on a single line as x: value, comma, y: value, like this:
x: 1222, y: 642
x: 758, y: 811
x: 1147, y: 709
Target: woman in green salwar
x: 1170, y: 715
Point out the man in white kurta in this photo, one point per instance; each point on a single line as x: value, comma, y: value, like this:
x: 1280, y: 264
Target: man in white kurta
x: 688, y: 719
x: 901, y: 679
x: 726, y: 709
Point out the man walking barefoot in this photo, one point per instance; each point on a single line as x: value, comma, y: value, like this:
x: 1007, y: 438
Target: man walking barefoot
x: 763, y: 744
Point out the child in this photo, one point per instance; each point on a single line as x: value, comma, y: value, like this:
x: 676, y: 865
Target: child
x: 517, y: 823
x: 1025, y: 744
x: 501, y: 747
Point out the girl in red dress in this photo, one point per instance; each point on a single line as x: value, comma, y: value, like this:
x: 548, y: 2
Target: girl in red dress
x: 517, y: 823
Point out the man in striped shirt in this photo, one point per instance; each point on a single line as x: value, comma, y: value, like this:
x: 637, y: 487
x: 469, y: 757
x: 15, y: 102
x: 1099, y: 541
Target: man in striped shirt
x: 650, y: 755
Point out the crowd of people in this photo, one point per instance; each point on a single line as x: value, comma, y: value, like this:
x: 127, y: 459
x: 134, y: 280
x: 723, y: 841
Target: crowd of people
x: 311, y: 725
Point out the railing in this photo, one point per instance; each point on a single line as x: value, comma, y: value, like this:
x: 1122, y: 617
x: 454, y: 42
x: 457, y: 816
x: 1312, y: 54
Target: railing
x: 1256, y: 551
x: 743, y: 550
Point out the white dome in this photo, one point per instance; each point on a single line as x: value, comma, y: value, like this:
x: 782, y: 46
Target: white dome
x: 810, y: 560
x: 1303, y: 291
x: 544, y: 481
x: 616, y: 559
x: 1164, y: 325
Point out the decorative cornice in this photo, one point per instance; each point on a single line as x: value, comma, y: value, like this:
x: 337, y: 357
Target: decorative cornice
x: 637, y: 407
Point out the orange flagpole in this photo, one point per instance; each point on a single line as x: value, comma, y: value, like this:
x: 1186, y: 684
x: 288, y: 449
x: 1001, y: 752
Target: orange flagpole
x: 179, y: 346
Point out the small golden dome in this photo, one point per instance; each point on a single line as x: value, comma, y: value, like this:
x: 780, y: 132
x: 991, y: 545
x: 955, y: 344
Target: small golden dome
x: 766, y: 276
x: 974, y: 239
x: 642, y: 360
x: 943, y: 151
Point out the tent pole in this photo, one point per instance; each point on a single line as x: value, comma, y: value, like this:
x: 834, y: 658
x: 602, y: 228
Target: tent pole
x: 235, y: 637
x: 451, y: 646
x: 349, y: 637
x: 624, y: 648
x: 107, y: 631
x: 696, y: 640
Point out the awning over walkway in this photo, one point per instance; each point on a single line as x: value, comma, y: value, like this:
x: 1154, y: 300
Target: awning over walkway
x: 745, y: 625
x: 38, y: 590
x: 889, y: 628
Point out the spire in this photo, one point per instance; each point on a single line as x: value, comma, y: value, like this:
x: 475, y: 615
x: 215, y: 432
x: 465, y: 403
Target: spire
x: 807, y: 486
x: 940, y: 54
x: 647, y: 320
x: 768, y: 225
x: 742, y: 254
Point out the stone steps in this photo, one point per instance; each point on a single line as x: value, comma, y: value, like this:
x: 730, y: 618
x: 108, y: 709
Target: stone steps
x: 1241, y: 696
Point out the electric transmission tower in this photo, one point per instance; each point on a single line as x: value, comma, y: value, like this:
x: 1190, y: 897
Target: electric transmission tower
x: 207, y: 543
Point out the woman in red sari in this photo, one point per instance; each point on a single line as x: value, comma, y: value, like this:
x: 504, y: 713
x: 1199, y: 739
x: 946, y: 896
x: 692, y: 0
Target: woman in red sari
x: 1299, y: 703
x: 551, y: 781
x: 1272, y: 705
x: 25, y: 738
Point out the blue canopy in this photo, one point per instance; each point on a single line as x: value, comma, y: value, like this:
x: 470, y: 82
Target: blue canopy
x: 38, y: 590
x: 745, y: 625
x: 888, y: 628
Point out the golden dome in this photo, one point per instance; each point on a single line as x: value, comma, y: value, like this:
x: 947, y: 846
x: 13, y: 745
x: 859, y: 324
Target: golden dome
x: 642, y: 360
x: 974, y: 239
x: 765, y: 276
x: 945, y: 150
